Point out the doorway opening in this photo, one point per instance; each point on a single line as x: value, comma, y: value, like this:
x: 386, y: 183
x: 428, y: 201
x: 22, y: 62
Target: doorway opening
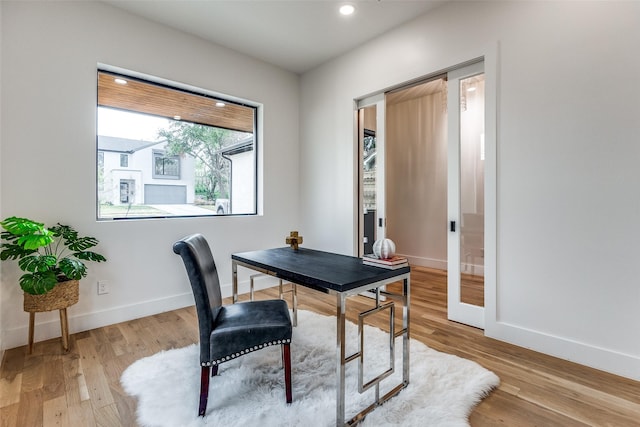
x: 433, y: 181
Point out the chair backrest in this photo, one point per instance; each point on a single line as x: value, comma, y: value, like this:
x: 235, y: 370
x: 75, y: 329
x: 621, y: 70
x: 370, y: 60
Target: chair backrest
x: 205, y: 284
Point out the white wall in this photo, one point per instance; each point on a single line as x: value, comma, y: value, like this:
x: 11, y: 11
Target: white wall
x: 567, y: 155
x: 50, y: 52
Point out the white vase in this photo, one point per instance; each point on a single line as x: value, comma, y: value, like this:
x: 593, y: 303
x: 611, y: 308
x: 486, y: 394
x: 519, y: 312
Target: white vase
x: 384, y: 248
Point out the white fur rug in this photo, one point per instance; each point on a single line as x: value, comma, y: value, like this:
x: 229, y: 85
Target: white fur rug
x: 249, y: 391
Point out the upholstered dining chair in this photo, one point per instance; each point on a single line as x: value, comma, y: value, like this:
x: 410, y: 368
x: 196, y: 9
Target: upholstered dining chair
x: 230, y: 331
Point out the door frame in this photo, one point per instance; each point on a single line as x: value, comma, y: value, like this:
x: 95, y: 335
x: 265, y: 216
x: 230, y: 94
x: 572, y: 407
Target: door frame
x: 378, y: 101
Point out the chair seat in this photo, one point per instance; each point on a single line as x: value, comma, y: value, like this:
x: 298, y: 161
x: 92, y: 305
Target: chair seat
x: 250, y: 326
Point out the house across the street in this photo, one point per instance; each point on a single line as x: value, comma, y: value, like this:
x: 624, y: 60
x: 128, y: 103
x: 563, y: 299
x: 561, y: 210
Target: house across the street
x: 139, y: 172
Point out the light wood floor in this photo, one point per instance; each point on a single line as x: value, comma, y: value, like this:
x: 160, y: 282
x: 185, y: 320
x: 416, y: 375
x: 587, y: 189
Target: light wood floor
x: 82, y: 388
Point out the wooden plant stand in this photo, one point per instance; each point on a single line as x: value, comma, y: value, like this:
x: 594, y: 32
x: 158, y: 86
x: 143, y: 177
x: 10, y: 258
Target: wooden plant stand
x: 64, y: 295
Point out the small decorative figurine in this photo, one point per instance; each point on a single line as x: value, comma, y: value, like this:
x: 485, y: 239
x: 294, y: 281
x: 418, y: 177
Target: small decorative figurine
x: 294, y: 240
x: 384, y: 248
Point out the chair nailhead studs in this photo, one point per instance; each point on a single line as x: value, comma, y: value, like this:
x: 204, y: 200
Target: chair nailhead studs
x: 246, y: 351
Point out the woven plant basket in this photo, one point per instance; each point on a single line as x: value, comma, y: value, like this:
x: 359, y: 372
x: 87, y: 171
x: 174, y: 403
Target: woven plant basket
x: 63, y: 295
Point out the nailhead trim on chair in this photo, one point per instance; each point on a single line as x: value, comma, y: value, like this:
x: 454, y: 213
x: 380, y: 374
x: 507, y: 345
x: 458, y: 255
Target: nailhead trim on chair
x: 243, y: 352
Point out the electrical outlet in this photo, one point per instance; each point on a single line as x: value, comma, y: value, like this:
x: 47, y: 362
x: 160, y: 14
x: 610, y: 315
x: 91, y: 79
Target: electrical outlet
x: 103, y: 287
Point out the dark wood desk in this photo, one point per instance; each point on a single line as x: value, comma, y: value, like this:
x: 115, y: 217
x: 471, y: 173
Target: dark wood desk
x: 342, y: 276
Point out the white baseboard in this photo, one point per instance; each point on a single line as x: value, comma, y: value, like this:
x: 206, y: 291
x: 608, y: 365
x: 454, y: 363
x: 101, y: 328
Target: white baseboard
x: 607, y: 360
x: 476, y: 269
x: 426, y: 262
x: 262, y: 281
x: 603, y: 359
x: 50, y: 328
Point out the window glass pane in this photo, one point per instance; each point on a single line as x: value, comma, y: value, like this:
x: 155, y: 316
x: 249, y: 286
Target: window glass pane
x: 100, y: 171
x: 166, y: 152
x: 472, y: 190
x: 170, y: 167
x: 159, y: 165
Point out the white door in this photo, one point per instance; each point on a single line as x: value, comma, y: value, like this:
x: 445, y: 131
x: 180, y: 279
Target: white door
x: 371, y: 208
x: 466, y: 195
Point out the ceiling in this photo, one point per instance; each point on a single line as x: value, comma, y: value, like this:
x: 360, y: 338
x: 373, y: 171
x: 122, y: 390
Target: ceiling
x: 296, y: 35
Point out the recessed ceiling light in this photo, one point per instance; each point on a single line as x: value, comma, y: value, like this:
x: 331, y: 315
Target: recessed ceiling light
x: 347, y: 9
x: 176, y: 117
x: 220, y: 104
x: 120, y: 81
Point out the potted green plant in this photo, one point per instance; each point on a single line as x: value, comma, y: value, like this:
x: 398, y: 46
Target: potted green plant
x: 53, y: 260
x: 48, y: 256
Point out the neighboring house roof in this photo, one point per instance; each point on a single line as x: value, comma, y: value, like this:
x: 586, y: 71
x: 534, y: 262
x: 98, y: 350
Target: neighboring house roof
x: 123, y: 145
x: 239, y: 147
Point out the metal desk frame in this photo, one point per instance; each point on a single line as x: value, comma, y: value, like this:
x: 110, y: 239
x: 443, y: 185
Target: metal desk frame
x: 342, y: 359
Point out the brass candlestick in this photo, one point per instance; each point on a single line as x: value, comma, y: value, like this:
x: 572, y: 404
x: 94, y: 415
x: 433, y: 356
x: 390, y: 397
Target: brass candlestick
x: 294, y: 240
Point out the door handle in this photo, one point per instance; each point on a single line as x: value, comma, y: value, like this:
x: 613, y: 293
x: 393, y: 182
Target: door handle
x: 452, y: 226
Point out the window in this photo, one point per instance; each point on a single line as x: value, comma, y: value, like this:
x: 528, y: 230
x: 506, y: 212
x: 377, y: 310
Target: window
x: 167, y: 150
x: 164, y: 166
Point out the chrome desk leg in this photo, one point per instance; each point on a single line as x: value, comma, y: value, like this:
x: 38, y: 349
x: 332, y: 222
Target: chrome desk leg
x: 294, y: 299
x: 294, y: 290
x: 281, y: 292
x: 406, y: 293
x: 234, y: 281
x: 251, y: 285
x: 340, y: 332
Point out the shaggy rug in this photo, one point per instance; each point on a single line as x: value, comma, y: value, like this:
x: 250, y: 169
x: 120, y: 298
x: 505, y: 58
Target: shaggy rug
x: 249, y: 391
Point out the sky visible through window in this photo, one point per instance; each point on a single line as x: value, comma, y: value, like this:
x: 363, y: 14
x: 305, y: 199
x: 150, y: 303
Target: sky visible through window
x: 126, y: 124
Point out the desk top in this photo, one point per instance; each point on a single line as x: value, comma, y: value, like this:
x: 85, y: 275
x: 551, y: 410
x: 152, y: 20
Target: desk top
x: 323, y: 271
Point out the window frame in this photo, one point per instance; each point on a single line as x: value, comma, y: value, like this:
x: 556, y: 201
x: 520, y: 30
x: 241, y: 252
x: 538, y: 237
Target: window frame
x: 257, y: 117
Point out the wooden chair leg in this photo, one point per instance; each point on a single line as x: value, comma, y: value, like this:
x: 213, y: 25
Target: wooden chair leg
x: 32, y: 321
x: 204, y: 390
x: 286, y: 351
x: 64, y: 329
